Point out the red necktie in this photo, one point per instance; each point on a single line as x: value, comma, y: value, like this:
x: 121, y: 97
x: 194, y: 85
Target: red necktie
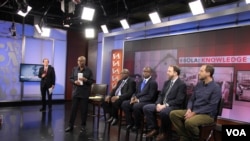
x: 45, y: 70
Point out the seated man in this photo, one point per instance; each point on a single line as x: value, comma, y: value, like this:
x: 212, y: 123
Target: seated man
x: 171, y: 97
x: 201, y: 107
x: 146, y: 93
x: 124, y: 89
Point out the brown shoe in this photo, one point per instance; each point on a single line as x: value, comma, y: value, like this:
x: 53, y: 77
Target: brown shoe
x: 151, y: 133
x: 161, y: 137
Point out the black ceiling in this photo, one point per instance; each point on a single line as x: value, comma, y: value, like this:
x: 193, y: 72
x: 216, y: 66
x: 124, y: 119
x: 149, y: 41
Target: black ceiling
x: 108, y: 12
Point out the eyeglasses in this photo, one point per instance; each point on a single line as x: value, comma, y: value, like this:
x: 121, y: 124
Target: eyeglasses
x: 80, y: 60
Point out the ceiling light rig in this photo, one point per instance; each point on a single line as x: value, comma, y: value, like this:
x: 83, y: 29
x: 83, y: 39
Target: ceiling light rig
x: 76, y: 1
x: 39, y: 26
x: 23, y: 7
x: 67, y: 22
x: 69, y: 9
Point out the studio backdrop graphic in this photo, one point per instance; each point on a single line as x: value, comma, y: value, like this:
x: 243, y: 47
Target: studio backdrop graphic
x: 226, y: 49
x: 10, y: 58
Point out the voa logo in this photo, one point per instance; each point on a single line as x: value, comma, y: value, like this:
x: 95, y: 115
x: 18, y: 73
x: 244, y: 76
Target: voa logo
x: 236, y: 132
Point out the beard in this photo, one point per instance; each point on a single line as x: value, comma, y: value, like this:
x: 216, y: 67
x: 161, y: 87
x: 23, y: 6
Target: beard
x: 170, y: 77
x: 201, y: 78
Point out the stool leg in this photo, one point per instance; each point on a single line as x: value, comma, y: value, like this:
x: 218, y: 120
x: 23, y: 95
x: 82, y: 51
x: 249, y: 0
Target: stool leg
x: 93, y: 115
x: 119, y: 125
x: 98, y: 117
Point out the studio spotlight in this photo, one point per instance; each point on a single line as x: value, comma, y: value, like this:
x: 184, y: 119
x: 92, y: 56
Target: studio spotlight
x: 104, y: 29
x: 45, y: 32
x: 124, y: 24
x: 154, y: 17
x: 196, y: 7
x: 38, y: 28
x: 24, y: 11
x: 89, y: 33
x: 88, y: 13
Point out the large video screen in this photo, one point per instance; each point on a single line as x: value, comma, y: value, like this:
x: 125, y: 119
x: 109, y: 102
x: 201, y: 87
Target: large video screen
x: 29, y: 72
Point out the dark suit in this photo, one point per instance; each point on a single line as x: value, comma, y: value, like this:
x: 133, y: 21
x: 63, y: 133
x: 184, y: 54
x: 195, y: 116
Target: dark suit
x: 127, y: 91
x: 147, y: 95
x: 46, y: 83
x: 175, y: 100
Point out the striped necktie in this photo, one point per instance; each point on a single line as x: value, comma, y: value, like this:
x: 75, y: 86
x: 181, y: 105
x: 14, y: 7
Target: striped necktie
x: 118, y: 90
x: 169, y: 88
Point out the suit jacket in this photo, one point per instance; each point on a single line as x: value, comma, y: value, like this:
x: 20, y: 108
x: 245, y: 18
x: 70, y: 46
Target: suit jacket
x: 127, y: 90
x: 149, y: 91
x: 176, y: 96
x: 49, y: 79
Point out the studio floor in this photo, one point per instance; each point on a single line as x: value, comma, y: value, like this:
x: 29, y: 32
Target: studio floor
x: 27, y: 123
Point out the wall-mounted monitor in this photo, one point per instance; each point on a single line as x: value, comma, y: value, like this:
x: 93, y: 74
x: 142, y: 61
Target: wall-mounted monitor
x: 29, y: 72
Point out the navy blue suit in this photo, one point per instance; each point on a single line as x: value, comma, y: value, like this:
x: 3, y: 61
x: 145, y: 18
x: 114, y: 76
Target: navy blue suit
x: 147, y: 95
x: 174, y: 99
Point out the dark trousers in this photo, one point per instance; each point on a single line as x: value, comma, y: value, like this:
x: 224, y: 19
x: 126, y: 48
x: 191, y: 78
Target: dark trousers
x: 44, y: 91
x: 83, y: 108
x: 133, y: 112
x: 112, y: 108
x: 150, y: 114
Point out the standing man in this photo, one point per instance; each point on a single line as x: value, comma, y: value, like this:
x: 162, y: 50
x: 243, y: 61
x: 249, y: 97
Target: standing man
x: 146, y: 93
x: 201, y: 108
x: 124, y: 89
x: 47, y: 84
x: 171, y: 97
x: 81, y: 78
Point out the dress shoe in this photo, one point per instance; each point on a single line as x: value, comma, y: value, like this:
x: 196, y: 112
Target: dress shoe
x: 129, y: 126
x: 161, y: 137
x: 110, y: 119
x: 69, y: 129
x: 42, y: 110
x: 83, y: 129
x: 151, y: 133
x: 114, y: 122
x: 135, y: 129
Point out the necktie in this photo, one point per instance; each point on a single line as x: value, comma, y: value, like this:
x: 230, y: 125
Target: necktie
x: 169, y: 88
x: 45, y: 70
x: 143, y: 84
x: 118, y: 90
